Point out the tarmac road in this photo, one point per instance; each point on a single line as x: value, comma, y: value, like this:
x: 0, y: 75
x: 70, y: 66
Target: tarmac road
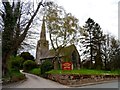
x: 110, y: 84
x: 34, y: 81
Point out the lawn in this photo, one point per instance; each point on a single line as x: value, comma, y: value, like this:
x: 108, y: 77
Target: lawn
x: 35, y: 71
x: 83, y: 72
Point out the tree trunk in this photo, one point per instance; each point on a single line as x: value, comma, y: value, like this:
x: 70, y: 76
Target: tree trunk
x: 91, y: 52
x: 56, y: 65
x: 5, y: 57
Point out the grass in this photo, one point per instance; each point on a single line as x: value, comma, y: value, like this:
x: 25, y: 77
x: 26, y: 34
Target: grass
x: 16, y: 73
x: 35, y: 71
x: 83, y: 72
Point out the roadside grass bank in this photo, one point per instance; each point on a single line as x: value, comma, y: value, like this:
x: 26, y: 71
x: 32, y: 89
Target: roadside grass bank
x: 35, y: 71
x: 77, y: 77
x: 13, y: 76
x: 82, y: 76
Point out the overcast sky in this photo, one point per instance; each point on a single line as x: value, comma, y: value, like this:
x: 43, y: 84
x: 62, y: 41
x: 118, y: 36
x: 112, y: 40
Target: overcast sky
x: 104, y: 12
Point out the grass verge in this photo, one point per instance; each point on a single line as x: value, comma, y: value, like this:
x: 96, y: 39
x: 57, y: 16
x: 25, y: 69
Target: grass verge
x: 84, y: 72
x: 35, y: 71
x: 13, y: 76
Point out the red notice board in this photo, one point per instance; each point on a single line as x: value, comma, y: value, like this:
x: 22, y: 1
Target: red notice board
x: 67, y: 66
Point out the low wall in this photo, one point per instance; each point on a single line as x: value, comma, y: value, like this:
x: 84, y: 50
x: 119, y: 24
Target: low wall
x: 71, y: 79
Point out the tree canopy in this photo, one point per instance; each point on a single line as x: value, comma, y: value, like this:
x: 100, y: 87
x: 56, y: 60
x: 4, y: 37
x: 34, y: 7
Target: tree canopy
x: 62, y: 27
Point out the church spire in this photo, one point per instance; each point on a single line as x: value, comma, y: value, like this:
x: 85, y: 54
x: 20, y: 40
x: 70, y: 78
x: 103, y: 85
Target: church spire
x: 43, y: 31
x: 42, y: 45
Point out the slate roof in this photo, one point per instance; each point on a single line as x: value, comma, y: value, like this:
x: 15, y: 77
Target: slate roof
x: 64, y: 52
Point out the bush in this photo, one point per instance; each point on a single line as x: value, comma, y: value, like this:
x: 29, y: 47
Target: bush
x: 15, y: 62
x: 26, y: 56
x: 46, y: 66
x: 86, y: 64
x: 16, y: 76
x: 29, y: 65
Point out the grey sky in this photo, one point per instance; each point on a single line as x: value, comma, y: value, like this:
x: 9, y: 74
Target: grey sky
x: 119, y: 21
x: 104, y: 12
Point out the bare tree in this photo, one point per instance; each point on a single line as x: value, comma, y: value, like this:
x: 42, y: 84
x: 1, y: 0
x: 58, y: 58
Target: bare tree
x: 15, y: 20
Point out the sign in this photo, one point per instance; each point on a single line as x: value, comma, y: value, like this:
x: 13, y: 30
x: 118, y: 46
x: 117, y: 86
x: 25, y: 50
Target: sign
x: 66, y: 66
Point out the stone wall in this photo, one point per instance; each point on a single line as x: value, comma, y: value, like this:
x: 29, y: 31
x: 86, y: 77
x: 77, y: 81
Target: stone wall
x: 72, y: 79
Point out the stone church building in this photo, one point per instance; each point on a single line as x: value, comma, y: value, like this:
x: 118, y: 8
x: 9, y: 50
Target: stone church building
x: 67, y: 54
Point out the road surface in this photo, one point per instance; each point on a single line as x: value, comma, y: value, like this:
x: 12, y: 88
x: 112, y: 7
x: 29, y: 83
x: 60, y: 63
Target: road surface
x: 33, y: 81
x: 0, y: 84
x: 111, y: 84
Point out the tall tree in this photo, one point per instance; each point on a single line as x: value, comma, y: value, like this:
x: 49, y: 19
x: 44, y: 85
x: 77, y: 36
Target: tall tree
x: 114, y: 54
x: 106, y: 51
x: 62, y: 28
x: 87, y: 40
x: 92, y: 39
x: 98, y: 39
x: 16, y: 19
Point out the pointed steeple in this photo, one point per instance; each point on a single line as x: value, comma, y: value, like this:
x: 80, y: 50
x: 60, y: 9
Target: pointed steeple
x: 43, y: 31
x: 42, y: 45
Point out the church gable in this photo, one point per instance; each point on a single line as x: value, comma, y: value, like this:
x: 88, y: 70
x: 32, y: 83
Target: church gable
x: 68, y: 54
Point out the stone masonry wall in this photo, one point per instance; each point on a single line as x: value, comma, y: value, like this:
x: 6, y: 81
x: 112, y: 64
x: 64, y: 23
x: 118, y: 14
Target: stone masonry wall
x: 71, y: 79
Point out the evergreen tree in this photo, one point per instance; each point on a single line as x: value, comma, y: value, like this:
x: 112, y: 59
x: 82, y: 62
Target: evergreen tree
x: 98, y: 39
x: 87, y: 40
x: 92, y: 39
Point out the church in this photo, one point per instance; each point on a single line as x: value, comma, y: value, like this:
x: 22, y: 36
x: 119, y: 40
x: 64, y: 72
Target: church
x: 67, y: 54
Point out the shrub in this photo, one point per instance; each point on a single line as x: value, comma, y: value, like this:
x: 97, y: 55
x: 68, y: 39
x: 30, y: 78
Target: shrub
x: 29, y: 65
x: 86, y: 64
x: 15, y: 62
x: 26, y: 56
x: 46, y: 66
x: 16, y: 76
